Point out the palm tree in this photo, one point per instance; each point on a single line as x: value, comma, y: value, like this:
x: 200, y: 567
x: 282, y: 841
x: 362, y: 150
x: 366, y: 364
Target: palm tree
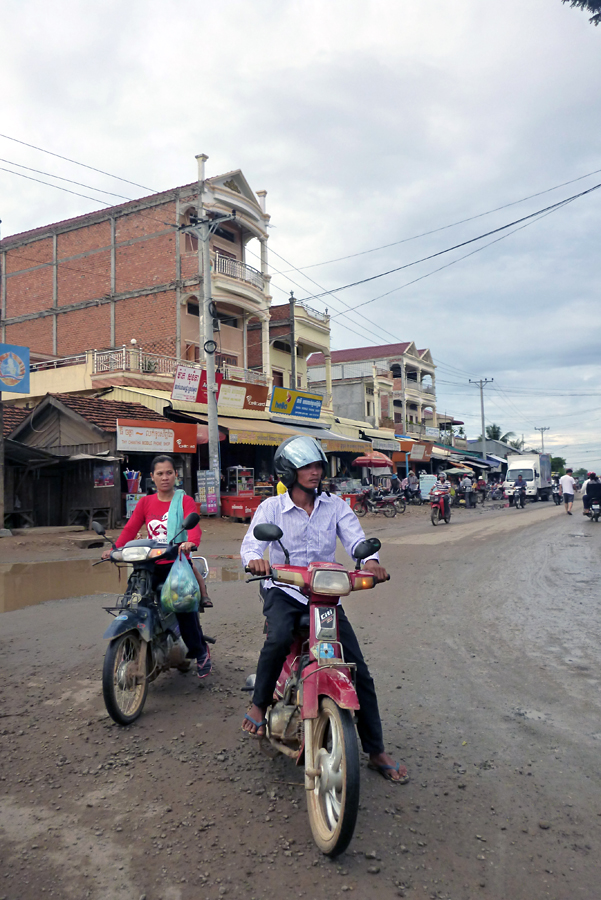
x: 494, y: 433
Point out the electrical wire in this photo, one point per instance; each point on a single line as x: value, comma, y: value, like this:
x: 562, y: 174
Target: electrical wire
x: 10, y: 162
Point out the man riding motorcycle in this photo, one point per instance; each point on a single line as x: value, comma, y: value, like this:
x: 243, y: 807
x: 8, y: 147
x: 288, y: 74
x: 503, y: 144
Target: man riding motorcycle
x: 311, y: 522
x: 590, y: 493
x: 443, y: 485
x: 519, y: 493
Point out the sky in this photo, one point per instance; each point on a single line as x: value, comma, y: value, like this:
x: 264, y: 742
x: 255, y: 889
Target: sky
x: 375, y: 126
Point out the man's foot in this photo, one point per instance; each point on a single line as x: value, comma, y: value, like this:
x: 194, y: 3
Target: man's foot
x: 206, y: 602
x: 388, y: 768
x: 569, y: 512
x: 254, y: 721
x: 204, y: 665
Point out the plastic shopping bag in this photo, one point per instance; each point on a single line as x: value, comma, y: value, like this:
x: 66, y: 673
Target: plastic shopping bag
x: 180, y: 592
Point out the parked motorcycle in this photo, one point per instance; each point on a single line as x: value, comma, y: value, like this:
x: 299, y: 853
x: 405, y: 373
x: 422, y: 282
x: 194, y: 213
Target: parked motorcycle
x: 144, y: 640
x: 399, y: 502
x: 437, y: 505
x: 414, y: 498
x: 375, y: 503
x: 311, y: 717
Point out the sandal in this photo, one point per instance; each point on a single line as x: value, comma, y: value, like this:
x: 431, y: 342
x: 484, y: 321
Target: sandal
x: 386, y: 772
x: 261, y: 724
x: 206, y: 602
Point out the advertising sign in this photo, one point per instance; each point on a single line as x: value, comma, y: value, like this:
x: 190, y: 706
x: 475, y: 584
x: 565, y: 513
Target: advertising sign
x: 104, y: 475
x: 295, y: 403
x: 432, y: 432
x: 207, y: 492
x: 240, y: 395
x: 148, y: 436
x: 14, y: 369
x: 191, y: 384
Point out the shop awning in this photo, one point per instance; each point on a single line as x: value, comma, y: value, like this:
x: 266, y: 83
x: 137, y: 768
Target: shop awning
x: 440, y: 453
x: 332, y: 442
x: 378, y: 442
x: 260, y: 433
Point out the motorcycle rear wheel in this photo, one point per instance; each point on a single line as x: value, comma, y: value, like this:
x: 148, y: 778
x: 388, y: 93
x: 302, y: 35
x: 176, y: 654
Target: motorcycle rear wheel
x: 360, y: 509
x: 334, y: 803
x: 124, y: 698
x: 447, y: 518
x: 435, y: 515
x: 400, y: 504
x: 390, y: 510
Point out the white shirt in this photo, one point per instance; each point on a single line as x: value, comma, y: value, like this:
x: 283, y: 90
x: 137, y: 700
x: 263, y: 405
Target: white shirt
x: 307, y: 538
x: 567, y: 484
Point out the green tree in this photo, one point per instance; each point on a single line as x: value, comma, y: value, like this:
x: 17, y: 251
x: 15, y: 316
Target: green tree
x: 494, y: 432
x: 580, y: 474
x: 592, y: 6
x: 517, y: 444
x: 558, y: 464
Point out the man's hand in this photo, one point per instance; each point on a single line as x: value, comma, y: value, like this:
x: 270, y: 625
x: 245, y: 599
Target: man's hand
x: 259, y: 567
x: 106, y: 554
x: 373, y: 566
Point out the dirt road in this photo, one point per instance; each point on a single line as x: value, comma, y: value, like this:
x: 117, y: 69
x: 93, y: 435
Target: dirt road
x: 485, y: 647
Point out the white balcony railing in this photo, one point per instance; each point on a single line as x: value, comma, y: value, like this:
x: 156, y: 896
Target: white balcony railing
x: 233, y: 268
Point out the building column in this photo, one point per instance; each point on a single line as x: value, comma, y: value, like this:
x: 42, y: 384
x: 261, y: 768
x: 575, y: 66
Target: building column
x: 263, y: 252
x: 329, y: 400
x: 265, y: 360
x: 54, y: 294
x: 404, y: 399
x: 245, y: 340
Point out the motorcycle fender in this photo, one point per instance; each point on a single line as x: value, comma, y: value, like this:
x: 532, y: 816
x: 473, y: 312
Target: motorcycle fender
x: 325, y: 682
x: 130, y: 620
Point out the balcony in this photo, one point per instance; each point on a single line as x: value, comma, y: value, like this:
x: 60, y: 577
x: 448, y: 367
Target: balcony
x: 233, y: 268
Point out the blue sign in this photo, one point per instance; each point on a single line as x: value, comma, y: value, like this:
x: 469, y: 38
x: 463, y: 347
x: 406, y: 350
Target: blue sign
x: 295, y: 403
x: 14, y: 369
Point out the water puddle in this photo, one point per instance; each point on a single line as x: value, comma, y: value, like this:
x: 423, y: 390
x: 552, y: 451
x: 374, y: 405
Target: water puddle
x: 27, y: 584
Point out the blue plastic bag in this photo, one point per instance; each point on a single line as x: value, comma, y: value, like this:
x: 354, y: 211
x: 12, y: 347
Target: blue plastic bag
x: 180, y: 592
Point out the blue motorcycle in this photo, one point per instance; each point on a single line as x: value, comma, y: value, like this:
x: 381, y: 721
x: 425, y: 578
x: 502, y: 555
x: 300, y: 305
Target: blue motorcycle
x: 144, y: 639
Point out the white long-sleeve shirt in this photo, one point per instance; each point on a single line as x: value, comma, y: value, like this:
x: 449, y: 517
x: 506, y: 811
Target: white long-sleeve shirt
x: 307, y: 538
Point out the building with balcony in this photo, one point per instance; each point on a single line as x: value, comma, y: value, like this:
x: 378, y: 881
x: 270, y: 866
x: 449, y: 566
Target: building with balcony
x: 291, y: 324
x: 131, y: 274
x: 398, y: 384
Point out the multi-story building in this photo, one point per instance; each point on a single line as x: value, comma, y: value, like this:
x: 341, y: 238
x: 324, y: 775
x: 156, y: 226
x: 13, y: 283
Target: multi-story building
x: 291, y: 323
x: 394, y: 385
x: 128, y: 276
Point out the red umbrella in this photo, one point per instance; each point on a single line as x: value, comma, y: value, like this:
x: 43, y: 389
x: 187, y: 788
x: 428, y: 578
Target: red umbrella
x: 202, y: 434
x: 374, y: 460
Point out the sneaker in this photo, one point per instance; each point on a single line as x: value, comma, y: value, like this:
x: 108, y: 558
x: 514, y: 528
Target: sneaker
x: 204, y: 665
x: 569, y: 513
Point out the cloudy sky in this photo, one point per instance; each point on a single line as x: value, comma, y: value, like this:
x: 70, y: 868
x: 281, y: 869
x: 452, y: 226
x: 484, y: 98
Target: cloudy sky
x: 375, y: 126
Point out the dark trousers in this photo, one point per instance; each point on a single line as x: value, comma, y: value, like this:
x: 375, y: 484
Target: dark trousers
x: 189, y: 625
x: 282, y: 613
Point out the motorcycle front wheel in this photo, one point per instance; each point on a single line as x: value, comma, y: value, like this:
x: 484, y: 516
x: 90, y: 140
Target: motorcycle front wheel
x: 435, y: 515
x: 124, y: 696
x: 390, y: 510
x: 400, y: 504
x: 360, y: 509
x: 334, y: 803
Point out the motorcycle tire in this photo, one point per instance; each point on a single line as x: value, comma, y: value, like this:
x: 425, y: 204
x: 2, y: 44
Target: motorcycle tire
x: 447, y: 518
x: 333, y: 805
x: 435, y: 515
x: 390, y: 510
x: 360, y: 509
x: 123, y: 697
x: 400, y: 504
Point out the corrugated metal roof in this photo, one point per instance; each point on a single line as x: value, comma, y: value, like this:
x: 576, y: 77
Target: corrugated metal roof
x: 383, y: 351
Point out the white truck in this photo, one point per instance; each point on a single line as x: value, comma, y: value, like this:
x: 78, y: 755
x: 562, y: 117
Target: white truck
x: 535, y: 469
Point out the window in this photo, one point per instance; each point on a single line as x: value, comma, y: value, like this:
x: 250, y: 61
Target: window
x: 224, y: 359
x: 299, y: 381
x: 190, y: 243
x: 225, y: 234
x: 192, y: 308
x: 278, y: 378
x: 369, y: 407
x: 280, y: 345
x: 225, y: 253
x: 192, y: 352
x: 229, y: 320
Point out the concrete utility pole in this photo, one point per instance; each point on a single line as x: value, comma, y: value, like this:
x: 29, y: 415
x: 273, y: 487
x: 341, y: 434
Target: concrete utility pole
x: 203, y: 228
x: 482, y: 383
x: 292, y: 344
x: 1, y: 465
x: 542, y: 436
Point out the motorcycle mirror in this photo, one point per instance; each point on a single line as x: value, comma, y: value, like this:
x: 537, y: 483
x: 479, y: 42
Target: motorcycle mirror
x: 267, y: 532
x: 190, y: 521
x: 366, y: 548
x: 98, y: 528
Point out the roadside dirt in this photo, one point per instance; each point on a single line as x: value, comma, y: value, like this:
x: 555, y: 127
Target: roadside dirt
x: 485, y: 650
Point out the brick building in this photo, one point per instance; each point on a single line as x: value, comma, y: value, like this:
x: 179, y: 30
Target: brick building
x: 105, y: 278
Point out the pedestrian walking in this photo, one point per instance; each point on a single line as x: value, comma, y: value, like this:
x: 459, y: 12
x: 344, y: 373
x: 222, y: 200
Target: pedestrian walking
x: 568, y: 489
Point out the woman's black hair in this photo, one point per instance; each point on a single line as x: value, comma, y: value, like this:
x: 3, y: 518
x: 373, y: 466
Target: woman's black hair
x: 161, y: 459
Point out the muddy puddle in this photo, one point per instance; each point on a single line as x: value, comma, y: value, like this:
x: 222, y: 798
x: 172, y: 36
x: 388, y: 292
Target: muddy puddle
x: 27, y: 584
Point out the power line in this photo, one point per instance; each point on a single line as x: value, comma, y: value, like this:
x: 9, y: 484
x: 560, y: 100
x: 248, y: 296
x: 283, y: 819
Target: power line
x: 416, y: 237
x: 76, y: 163
x: 60, y: 178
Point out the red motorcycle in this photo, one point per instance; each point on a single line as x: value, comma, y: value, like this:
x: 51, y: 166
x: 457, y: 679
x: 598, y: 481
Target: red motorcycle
x: 311, y: 716
x: 375, y: 502
x: 437, y: 505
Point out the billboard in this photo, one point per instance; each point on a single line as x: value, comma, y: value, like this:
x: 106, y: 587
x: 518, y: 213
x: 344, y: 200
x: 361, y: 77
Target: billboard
x: 14, y: 369
x: 286, y: 402
x: 148, y: 436
x: 191, y: 385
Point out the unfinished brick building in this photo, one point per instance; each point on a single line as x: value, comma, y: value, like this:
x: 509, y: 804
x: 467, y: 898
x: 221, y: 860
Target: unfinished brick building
x: 126, y: 273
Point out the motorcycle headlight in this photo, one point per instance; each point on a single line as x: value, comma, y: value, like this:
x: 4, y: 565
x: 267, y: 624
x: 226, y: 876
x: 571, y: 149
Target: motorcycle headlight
x: 135, y: 554
x: 331, y: 582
